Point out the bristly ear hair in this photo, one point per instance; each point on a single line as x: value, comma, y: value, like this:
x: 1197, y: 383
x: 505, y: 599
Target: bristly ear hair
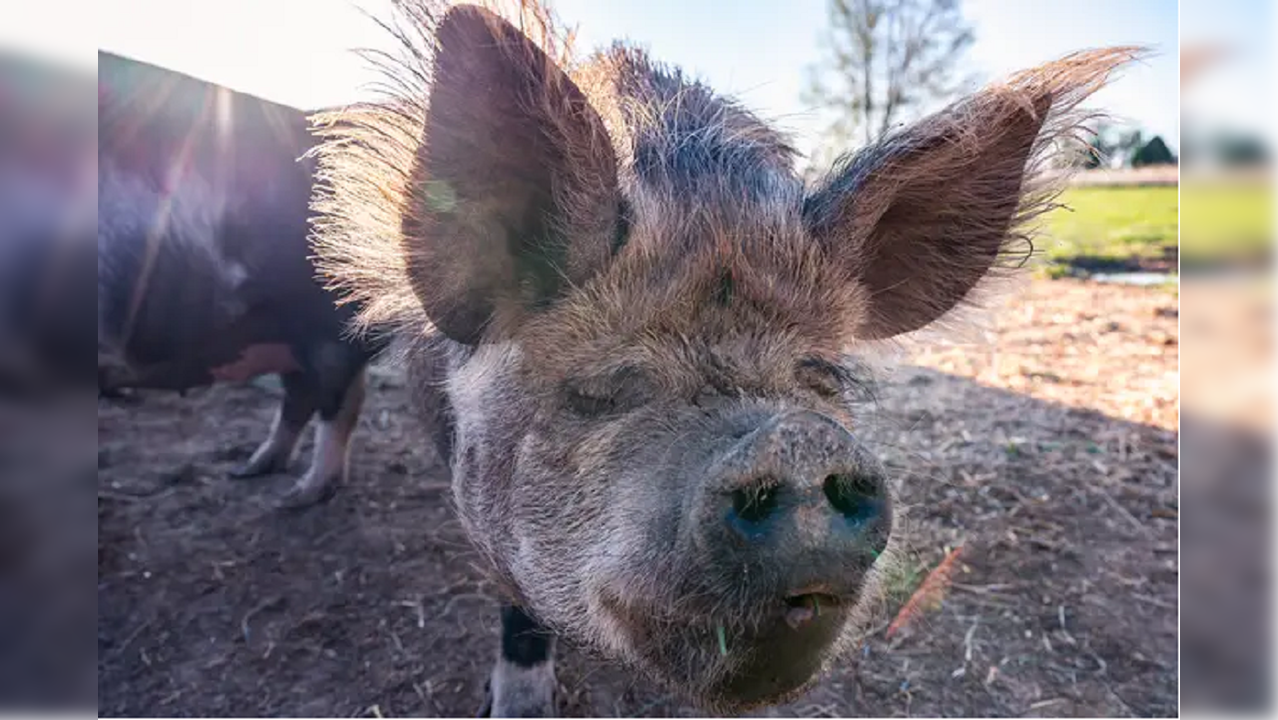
x: 922, y: 216
x: 479, y: 187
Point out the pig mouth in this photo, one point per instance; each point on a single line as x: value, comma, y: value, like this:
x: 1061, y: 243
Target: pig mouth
x: 728, y: 665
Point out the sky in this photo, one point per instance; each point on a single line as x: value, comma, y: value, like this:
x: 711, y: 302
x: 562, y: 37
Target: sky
x: 756, y: 49
x: 1240, y: 89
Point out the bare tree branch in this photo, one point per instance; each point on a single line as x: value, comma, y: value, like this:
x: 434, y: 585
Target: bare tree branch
x: 889, y: 60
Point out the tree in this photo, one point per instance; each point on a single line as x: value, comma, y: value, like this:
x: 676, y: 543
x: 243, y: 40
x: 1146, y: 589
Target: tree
x: 1112, y: 142
x: 886, y: 61
x: 1240, y: 150
x: 1154, y: 152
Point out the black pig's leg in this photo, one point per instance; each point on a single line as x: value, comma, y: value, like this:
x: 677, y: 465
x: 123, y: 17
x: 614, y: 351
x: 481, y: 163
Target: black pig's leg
x: 295, y: 410
x: 523, y: 679
x: 338, y: 371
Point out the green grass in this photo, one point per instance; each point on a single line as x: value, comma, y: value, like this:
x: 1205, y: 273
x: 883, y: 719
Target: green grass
x: 900, y: 580
x: 1130, y: 224
x: 1225, y: 221
x: 1110, y: 224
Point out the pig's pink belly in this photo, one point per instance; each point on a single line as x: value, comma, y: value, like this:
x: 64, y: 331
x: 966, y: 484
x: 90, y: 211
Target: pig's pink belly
x: 257, y: 360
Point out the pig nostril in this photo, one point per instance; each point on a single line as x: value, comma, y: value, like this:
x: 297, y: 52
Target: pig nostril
x: 754, y: 504
x: 856, y: 497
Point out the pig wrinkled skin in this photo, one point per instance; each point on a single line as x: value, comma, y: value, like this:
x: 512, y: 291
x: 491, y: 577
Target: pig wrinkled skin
x: 634, y: 331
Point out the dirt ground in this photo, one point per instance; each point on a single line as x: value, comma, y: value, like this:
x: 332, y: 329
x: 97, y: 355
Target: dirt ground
x: 1049, y: 453
x: 1227, y: 483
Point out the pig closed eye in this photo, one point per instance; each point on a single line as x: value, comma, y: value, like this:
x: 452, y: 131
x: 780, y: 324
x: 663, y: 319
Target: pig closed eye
x: 821, y: 377
x: 587, y: 405
x: 613, y: 392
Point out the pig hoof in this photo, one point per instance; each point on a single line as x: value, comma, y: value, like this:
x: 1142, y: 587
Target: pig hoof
x: 243, y: 472
x: 257, y: 468
x: 519, y: 710
x: 306, y: 494
x: 521, y: 692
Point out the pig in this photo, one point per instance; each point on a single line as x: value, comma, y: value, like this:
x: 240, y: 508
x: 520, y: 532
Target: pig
x: 204, y: 269
x: 638, y: 337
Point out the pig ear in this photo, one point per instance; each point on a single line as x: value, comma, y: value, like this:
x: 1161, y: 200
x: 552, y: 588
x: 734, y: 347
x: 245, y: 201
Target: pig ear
x: 514, y: 195
x: 921, y: 217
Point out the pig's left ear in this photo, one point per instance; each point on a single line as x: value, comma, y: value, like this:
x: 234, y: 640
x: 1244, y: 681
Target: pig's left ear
x: 921, y: 217
x: 514, y: 194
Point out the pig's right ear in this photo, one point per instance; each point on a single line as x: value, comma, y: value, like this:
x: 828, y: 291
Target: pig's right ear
x: 514, y: 196
x: 921, y: 217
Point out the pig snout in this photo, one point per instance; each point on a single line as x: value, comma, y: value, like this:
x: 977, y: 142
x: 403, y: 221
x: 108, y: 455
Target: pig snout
x: 800, y: 500
x: 789, y: 518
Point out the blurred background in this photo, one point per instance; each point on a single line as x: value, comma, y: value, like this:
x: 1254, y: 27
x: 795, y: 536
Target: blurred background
x: 48, y: 607
x: 1046, y: 437
x: 1227, y: 237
